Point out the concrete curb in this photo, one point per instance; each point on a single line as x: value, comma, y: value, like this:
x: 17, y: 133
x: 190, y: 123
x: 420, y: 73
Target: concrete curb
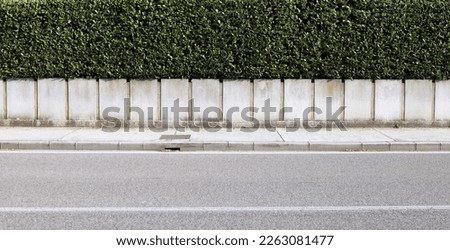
x: 161, y: 146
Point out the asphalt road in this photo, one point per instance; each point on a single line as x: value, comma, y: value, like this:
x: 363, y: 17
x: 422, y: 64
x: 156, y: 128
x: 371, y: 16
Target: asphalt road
x: 89, y: 190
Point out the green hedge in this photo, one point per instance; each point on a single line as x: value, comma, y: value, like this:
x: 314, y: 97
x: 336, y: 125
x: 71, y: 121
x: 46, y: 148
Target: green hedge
x: 225, y: 38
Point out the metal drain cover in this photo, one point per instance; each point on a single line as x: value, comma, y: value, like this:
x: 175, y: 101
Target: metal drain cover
x: 175, y: 137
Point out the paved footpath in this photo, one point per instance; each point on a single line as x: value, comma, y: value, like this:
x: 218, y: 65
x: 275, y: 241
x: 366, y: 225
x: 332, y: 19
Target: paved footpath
x: 354, y: 139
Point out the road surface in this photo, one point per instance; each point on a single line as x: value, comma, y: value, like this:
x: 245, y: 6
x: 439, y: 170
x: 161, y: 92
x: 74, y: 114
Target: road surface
x: 138, y: 190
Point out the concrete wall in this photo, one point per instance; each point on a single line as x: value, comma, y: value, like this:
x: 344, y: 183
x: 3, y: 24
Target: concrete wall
x: 237, y: 96
x: 359, y: 100
x: 442, y: 104
x: 206, y: 99
x: 419, y: 100
x: 81, y: 102
x: 269, y: 91
x: 52, y: 99
x: 21, y: 99
x: 3, y: 101
x: 144, y: 100
x: 328, y: 90
x: 389, y: 100
x: 298, y: 96
x: 112, y: 95
x: 83, y: 99
x: 175, y: 90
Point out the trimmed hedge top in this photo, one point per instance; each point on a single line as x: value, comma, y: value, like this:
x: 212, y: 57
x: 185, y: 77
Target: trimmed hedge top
x: 225, y: 38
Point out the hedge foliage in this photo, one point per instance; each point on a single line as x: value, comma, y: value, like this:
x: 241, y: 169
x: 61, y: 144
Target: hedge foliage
x: 225, y: 38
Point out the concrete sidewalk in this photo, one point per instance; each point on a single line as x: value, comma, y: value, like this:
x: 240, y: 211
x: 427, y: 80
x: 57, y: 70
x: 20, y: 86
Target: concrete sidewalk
x: 354, y: 139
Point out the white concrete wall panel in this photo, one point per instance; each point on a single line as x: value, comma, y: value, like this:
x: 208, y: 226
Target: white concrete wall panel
x: 207, y: 93
x: 52, y: 99
x: 2, y: 99
x: 171, y: 90
x: 83, y: 99
x: 112, y: 94
x: 442, y: 100
x: 21, y: 99
x: 359, y: 100
x: 298, y: 95
x: 419, y: 100
x: 237, y: 94
x: 328, y: 88
x: 389, y: 95
x: 144, y: 95
x: 268, y: 90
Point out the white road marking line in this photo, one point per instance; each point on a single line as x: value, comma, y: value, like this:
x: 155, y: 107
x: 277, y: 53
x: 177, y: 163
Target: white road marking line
x: 218, y: 209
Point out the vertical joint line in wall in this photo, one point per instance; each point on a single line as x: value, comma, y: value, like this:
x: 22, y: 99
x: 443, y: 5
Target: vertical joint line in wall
x: 344, y: 102
x: 97, y: 108
x: 221, y: 100
x: 372, y: 116
x: 404, y: 100
x: 313, y: 99
x: 190, y: 102
x: 252, y: 99
x: 5, y: 99
x: 36, y: 99
x: 128, y: 96
x: 159, y: 108
x: 67, y: 98
x: 433, y: 104
x: 282, y: 102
